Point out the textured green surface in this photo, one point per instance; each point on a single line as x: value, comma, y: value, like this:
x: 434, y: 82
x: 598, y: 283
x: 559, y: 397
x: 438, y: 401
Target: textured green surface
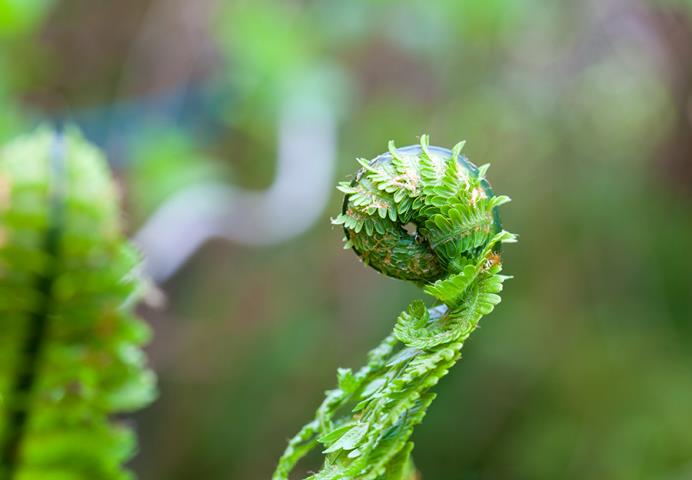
x: 365, y: 424
x: 69, y: 349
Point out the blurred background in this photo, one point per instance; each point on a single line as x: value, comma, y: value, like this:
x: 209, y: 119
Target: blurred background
x: 227, y: 124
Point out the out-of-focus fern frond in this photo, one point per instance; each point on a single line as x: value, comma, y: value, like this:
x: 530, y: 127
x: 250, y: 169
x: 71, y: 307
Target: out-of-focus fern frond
x: 69, y: 343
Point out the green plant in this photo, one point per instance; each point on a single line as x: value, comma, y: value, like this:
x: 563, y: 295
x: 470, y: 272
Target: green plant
x: 69, y: 348
x: 427, y: 215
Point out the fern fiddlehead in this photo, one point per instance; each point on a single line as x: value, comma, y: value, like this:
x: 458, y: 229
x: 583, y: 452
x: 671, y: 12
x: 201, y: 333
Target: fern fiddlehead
x: 365, y: 424
x: 69, y: 344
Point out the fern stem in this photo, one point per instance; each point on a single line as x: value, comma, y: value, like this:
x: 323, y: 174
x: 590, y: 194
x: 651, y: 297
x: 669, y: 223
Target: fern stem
x: 30, y: 357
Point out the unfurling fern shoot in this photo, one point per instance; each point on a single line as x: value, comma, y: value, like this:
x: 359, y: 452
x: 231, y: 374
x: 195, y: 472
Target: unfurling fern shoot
x: 69, y: 344
x: 427, y: 215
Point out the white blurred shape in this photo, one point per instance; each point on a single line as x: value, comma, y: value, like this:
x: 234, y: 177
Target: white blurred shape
x: 305, y: 166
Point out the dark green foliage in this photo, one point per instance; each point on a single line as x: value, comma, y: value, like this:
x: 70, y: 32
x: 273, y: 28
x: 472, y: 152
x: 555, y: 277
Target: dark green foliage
x: 69, y: 349
x: 365, y: 424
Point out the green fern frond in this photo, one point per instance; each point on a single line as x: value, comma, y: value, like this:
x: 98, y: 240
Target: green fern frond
x: 364, y: 426
x: 69, y: 349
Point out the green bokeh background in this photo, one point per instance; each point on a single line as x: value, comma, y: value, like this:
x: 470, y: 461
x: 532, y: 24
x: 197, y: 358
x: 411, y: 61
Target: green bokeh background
x: 584, y: 110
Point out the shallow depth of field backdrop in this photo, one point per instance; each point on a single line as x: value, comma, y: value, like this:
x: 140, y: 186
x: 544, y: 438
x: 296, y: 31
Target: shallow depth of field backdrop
x: 584, y: 110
